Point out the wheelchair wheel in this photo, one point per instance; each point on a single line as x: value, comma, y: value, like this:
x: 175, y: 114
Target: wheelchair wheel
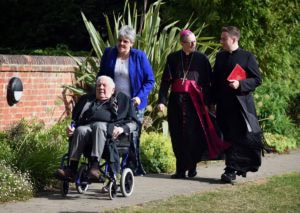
x: 112, y: 189
x: 82, y: 183
x: 127, y: 182
x: 64, y: 188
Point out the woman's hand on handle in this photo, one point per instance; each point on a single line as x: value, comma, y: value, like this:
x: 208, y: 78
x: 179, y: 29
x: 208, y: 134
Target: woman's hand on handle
x: 161, y: 107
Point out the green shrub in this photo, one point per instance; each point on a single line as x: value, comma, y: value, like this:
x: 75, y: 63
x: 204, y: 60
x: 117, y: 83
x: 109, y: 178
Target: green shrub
x: 294, y: 112
x: 14, y: 185
x: 156, y: 153
x: 5, y: 150
x: 272, y: 102
x: 38, y: 150
x: 280, y: 143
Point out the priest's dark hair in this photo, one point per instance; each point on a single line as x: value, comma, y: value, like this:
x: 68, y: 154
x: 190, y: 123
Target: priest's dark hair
x: 232, y: 30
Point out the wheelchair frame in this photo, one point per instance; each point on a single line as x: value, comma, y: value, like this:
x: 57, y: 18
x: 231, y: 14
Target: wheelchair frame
x: 82, y: 181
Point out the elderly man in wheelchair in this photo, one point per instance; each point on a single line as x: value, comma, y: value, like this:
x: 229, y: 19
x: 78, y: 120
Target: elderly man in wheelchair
x: 99, y: 118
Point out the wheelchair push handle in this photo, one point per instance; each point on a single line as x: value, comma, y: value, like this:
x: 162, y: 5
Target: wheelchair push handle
x: 70, y: 129
x: 73, y: 124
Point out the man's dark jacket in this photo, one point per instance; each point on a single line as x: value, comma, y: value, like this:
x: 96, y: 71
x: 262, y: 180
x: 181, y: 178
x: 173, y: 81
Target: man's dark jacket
x: 122, y: 112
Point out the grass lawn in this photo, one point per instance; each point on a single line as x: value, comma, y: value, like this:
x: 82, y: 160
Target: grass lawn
x: 276, y: 194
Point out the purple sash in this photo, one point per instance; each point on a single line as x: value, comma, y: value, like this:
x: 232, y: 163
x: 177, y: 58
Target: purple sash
x: 214, y: 143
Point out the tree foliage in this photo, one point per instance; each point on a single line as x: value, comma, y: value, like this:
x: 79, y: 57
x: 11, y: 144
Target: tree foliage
x: 269, y: 29
x: 35, y: 24
x: 266, y: 29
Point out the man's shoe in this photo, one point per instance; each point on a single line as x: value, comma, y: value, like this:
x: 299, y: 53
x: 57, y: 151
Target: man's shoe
x: 243, y: 174
x: 192, y: 173
x: 94, y: 173
x: 178, y: 175
x: 65, y: 173
x: 228, y: 177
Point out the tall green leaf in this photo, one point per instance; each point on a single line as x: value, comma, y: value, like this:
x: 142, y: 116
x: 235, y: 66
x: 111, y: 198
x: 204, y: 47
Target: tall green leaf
x: 156, y: 39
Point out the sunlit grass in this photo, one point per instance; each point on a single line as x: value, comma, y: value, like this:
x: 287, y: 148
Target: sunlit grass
x: 276, y: 194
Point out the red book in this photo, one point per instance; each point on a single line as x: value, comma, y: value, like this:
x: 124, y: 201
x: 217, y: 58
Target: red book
x: 238, y: 73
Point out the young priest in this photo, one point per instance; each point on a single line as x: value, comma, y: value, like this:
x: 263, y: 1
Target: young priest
x: 236, y: 113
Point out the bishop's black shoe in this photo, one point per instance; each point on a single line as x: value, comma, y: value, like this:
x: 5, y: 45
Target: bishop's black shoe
x: 228, y: 177
x: 178, y: 175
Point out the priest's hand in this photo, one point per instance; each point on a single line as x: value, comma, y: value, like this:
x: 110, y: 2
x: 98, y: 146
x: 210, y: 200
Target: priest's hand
x: 234, y: 84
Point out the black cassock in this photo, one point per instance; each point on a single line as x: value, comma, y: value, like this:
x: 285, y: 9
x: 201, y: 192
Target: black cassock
x: 236, y: 113
x: 186, y: 133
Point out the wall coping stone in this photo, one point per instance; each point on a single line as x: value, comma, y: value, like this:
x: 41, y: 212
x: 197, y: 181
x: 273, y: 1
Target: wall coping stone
x: 32, y: 63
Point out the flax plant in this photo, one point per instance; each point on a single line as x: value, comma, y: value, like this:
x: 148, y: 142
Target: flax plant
x: 156, y: 39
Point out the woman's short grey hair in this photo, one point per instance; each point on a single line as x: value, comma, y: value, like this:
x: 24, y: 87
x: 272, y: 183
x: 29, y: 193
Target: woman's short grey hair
x: 127, y: 32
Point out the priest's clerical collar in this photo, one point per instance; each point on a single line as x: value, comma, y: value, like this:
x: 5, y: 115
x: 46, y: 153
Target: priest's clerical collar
x: 187, y: 53
x: 234, y: 51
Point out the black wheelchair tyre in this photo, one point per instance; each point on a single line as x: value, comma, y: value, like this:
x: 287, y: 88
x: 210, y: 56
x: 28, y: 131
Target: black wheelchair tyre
x: 64, y: 188
x: 127, y: 182
x: 112, y: 189
x: 82, y: 183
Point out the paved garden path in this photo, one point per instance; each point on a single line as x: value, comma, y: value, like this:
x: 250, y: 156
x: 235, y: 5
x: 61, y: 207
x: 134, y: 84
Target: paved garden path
x: 151, y: 187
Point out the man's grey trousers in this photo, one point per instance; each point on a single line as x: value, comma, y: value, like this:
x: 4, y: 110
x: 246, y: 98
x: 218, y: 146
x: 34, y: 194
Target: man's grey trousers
x: 93, y: 135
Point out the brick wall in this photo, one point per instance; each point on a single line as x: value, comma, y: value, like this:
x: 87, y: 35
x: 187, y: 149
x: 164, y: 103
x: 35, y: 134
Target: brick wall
x: 43, y: 95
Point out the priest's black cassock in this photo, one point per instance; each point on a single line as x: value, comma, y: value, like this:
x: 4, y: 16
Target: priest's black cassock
x: 236, y: 113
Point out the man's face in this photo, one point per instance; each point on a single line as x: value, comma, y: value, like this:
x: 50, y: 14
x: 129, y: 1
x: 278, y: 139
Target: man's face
x: 104, y: 90
x: 124, y: 45
x: 189, y: 43
x: 227, y: 41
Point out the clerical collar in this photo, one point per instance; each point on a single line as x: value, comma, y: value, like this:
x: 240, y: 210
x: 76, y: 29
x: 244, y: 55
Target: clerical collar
x: 187, y: 54
x: 234, y: 51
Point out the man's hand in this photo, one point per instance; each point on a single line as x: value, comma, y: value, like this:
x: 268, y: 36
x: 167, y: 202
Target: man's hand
x: 70, y: 131
x: 136, y: 101
x: 117, y: 131
x: 212, y: 108
x: 234, y: 84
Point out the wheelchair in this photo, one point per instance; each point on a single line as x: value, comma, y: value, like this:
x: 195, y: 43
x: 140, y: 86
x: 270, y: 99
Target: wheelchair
x: 124, y: 184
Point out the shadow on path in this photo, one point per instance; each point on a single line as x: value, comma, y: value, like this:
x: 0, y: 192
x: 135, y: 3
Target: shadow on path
x: 197, y: 178
x: 91, y: 194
